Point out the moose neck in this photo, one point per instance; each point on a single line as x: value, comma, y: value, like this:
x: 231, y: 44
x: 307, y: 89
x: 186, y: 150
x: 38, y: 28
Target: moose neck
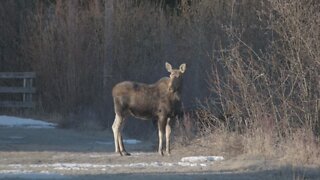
x: 175, y: 86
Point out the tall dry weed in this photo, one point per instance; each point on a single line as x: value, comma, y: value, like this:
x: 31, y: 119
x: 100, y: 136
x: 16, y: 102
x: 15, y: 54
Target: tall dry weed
x: 273, y: 93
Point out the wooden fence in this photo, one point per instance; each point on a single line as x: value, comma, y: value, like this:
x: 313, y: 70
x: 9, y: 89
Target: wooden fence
x: 26, y: 89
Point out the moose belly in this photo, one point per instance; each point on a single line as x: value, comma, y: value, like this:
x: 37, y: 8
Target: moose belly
x: 141, y: 113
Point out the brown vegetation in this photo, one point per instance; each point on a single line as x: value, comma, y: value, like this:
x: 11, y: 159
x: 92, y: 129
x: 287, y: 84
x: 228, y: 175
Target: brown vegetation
x: 269, y: 99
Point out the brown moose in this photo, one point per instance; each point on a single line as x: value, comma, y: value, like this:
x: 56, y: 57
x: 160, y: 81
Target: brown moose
x: 160, y: 101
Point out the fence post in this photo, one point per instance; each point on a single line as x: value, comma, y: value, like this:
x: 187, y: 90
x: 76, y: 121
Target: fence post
x: 27, y: 83
x: 26, y: 90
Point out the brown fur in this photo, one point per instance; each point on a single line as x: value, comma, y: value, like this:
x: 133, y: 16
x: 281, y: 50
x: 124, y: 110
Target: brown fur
x: 159, y: 101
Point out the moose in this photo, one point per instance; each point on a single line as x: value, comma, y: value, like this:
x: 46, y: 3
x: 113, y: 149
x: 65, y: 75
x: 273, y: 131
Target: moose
x: 160, y: 101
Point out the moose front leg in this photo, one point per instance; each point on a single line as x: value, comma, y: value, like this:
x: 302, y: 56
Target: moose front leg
x: 161, y: 130
x: 168, y: 132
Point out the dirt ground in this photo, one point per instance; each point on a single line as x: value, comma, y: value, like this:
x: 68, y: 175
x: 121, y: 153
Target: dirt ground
x: 69, y: 154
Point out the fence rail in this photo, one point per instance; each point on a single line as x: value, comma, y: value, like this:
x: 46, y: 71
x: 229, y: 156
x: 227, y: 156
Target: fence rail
x: 17, y: 75
x: 26, y: 89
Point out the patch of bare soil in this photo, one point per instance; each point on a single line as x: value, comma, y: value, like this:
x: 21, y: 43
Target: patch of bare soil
x: 68, y: 154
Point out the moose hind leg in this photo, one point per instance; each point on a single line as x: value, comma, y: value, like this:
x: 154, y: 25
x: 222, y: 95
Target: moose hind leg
x: 123, y: 152
x: 118, y: 142
x: 115, y: 129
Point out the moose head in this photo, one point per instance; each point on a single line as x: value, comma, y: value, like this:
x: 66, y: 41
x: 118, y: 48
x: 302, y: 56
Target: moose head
x: 175, y: 81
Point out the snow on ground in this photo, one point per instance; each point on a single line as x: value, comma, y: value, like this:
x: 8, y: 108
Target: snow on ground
x: 126, y: 141
x: 131, y: 141
x: 202, y: 162
x: 201, y: 159
x: 51, y: 168
x: 10, y: 121
x: 196, y: 161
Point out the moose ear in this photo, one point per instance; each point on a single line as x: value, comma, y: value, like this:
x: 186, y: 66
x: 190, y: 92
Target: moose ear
x: 168, y: 67
x: 183, y: 68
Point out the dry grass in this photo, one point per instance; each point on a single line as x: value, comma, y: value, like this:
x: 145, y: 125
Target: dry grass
x: 268, y: 100
x: 301, y: 148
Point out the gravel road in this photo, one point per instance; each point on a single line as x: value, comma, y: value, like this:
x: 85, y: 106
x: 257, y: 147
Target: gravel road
x: 36, y: 153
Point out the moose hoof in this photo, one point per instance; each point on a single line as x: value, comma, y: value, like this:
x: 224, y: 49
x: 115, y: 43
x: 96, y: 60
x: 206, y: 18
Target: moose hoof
x: 124, y: 153
x: 161, y: 153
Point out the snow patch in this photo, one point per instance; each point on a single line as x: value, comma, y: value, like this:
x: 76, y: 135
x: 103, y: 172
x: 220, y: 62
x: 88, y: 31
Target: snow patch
x: 201, y: 159
x: 126, y: 141
x: 131, y: 141
x: 49, y: 170
x: 10, y: 121
x: 184, y: 164
x: 16, y: 168
x: 14, y: 171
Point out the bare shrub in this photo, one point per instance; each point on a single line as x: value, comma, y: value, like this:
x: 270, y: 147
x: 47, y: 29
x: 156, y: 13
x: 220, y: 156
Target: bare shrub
x: 272, y: 95
x: 70, y: 74
x: 184, y: 129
